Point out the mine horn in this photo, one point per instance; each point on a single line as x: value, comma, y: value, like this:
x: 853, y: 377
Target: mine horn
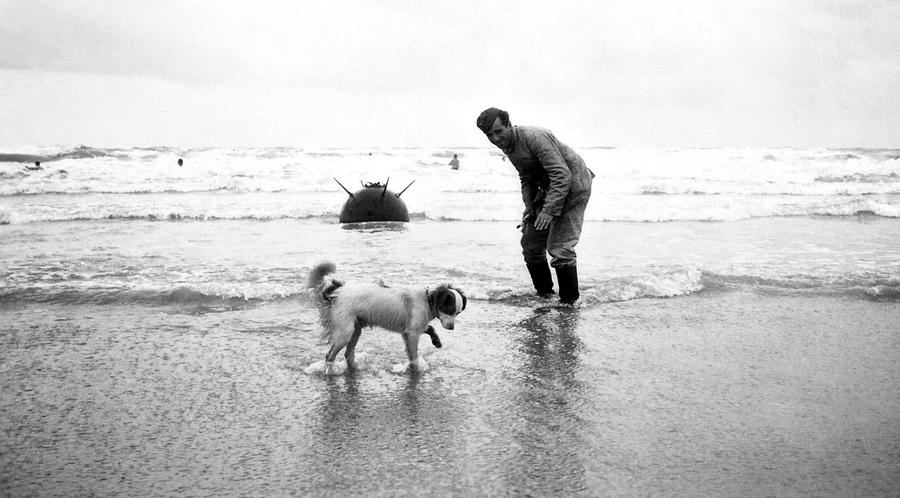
x: 404, y: 190
x: 343, y: 187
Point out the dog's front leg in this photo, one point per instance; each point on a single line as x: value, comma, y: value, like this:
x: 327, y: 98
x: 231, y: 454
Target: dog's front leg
x: 435, y: 339
x: 411, y: 339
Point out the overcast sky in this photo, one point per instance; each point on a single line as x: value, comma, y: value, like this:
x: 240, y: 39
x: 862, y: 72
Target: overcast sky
x: 817, y: 73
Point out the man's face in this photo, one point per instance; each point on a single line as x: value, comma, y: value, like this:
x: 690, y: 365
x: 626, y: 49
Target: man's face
x: 500, y: 135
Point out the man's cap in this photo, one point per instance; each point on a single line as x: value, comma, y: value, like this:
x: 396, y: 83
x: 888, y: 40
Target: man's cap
x: 487, y: 117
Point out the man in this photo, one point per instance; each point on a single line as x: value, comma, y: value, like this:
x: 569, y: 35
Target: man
x: 556, y: 186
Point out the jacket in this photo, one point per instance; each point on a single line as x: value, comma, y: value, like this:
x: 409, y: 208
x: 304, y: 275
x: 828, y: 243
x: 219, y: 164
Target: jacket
x: 550, y: 171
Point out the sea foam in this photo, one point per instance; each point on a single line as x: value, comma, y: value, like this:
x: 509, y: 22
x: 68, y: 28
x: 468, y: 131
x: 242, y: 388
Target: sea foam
x: 647, y: 185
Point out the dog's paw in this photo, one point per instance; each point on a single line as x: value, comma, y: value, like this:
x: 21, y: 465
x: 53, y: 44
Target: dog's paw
x: 362, y: 358
x: 400, y: 368
x: 360, y: 361
x: 316, y: 368
x: 419, y: 365
x: 336, y: 368
x: 322, y: 367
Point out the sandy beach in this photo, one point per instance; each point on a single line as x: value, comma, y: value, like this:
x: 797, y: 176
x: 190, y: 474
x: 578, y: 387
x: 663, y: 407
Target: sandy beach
x: 710, y: 394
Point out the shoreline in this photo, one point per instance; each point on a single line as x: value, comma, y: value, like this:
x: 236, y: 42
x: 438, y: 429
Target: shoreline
x: 60, y: 262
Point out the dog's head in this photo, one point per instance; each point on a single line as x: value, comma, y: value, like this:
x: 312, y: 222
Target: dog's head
x: 446, y: 302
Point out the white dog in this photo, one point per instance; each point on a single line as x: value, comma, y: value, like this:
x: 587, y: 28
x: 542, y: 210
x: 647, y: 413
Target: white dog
x: 346, y: 308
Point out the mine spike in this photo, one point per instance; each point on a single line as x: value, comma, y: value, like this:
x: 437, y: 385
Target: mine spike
x: 343, y: 187
x: 404, y: 190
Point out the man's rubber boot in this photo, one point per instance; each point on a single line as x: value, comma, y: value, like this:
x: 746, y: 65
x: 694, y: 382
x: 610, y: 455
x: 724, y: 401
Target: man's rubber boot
x: 541, y: 278
x: 567, y: 276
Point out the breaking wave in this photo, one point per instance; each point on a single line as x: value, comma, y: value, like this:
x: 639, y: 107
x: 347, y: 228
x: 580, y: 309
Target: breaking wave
x: 77, y: 152
x: 873, y: 288
x: 88, y: 183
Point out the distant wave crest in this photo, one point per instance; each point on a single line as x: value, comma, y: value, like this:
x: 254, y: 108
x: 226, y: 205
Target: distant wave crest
x: 860, y: 178
x: 77, y: 152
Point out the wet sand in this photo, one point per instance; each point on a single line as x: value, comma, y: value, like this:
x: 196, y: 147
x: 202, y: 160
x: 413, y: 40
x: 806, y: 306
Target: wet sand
x: 718, y: 393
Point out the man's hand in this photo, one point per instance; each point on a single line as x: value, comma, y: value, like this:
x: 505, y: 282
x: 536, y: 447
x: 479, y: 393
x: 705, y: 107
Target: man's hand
x: 521, y: 226
x: 542, y: 222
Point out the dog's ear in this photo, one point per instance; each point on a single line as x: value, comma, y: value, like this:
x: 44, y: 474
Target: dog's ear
x: 461, y: 294
x: 448, y: 300
x: 452, y: 301
x: 444, y: 298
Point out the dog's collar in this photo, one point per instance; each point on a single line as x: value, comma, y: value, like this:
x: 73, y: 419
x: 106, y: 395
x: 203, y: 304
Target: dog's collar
x: 431, y: 305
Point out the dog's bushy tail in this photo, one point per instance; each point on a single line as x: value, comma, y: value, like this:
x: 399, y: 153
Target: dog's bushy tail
x: 317, y: 275
x: 323, y: 284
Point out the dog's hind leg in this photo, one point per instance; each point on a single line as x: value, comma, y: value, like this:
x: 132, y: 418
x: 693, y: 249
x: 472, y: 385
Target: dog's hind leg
x: 330, y: 356
x: 341, y: 335
x: 350, y: 354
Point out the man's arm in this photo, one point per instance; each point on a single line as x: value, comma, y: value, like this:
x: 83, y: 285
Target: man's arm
x: 544, y: 148
x: 529, y: 191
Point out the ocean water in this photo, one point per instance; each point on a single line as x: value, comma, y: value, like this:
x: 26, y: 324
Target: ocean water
x: 632, y: 184
x: 737, y: 332
x: 244, y: 224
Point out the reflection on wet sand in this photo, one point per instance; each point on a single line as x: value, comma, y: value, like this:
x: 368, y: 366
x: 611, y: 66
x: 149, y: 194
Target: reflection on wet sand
x: 377, y: 430
x: 410, y: 432
x: 546, y: 432
x: 337, y: 419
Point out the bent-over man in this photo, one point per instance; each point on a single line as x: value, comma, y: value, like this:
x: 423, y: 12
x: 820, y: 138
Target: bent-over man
x: 556, y: 187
